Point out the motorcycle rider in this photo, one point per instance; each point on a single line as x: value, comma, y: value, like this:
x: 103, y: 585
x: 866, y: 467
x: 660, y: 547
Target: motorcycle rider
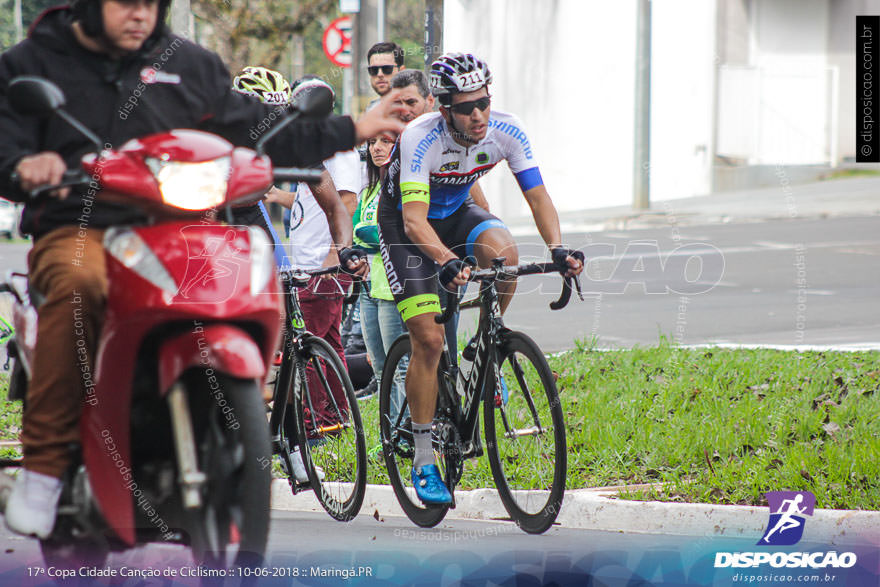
x: 125, y: 76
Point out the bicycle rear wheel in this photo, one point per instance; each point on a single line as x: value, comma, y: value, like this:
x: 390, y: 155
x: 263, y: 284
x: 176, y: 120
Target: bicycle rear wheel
x: 330, y: 432
x: 525, y: 435
x: 398, y: 447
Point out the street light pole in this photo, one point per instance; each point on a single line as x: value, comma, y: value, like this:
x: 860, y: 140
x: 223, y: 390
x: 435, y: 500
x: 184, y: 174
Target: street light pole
x: 181, y: 18
x: 433, y: 30
x: 642, y: 138
x: 19, y: 27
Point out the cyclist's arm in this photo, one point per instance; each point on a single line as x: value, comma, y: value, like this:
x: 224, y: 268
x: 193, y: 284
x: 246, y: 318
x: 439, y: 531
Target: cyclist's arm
x: 547, y: 221
x: 544, y: 212
x: 338, y: 217
x: 479, y: 197
x: 279, y: 196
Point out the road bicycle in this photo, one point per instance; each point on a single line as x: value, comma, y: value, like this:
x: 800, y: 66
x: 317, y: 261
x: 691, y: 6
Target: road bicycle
x: 313, y: 381
x: 522, y: 415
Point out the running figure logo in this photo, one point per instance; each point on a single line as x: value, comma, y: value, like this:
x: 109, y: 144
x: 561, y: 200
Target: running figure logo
x: 786, y: 525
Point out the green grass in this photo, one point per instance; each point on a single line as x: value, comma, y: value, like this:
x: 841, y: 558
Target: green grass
x: 851, y: 172
x: 10, y: 420
x: 700, y: 425
x: 724, y: 426
x: 712, y: 425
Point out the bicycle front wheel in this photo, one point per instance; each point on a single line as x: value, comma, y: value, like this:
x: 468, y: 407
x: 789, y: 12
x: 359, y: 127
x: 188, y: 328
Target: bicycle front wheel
x: 395, y: 428
x: 330, y: 432
x: 525, y: 434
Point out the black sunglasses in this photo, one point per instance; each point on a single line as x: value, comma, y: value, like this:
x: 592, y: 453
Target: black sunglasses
x: 386, y: 69
x: 465, y: 108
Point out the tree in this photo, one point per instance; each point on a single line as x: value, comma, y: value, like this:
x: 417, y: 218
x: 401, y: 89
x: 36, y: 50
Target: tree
x: 405, y: 26
x: 248, y: 32
x: 30, y: 9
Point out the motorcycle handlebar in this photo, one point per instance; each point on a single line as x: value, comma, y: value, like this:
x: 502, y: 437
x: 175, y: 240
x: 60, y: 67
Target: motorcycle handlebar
x: 70, y: 178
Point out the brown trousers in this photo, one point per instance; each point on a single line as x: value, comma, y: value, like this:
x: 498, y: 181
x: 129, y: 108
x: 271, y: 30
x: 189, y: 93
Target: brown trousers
x: 67, y: 266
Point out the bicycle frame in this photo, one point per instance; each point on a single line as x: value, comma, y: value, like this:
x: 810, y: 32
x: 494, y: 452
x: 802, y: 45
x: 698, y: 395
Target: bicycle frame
x: 468, y: 385
x: 294, y: 334
x: 293, y: 364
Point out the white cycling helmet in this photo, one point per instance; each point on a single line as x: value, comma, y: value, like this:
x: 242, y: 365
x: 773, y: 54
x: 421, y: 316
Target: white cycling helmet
x: 454, y: 73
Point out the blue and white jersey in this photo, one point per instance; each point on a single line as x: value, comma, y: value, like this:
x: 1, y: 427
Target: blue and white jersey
x: 428, y: 165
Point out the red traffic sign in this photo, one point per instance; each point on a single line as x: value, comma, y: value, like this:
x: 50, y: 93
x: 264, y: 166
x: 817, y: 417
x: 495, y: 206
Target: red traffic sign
x: 337, y: 41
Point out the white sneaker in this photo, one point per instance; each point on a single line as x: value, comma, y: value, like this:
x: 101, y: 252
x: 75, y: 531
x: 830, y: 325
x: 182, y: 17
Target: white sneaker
x: 33, y: 504
x: 299, y: 468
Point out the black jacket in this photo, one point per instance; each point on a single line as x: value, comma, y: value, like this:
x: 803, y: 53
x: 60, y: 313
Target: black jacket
x: 170, y: 83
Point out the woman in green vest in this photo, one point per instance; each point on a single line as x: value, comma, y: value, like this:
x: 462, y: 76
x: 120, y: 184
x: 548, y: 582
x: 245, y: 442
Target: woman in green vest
x: 380, y: 320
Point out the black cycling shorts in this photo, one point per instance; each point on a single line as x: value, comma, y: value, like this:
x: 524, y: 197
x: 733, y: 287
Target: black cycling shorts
x: 412, y: 275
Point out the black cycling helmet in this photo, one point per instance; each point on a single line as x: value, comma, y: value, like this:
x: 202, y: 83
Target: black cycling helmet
x: 453, y: 73
x: 88, y: 13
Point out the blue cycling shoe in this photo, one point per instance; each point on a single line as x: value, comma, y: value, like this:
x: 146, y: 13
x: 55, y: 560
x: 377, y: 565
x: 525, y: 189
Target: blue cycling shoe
x: 429, y: 486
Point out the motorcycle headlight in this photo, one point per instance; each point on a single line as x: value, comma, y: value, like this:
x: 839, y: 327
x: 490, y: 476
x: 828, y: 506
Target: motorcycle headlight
x: 192, y: 186
x: 127, y: 247
x: 262, y: 259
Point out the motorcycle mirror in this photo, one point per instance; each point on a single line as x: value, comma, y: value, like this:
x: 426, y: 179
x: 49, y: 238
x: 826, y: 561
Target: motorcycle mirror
x: 36, y: 96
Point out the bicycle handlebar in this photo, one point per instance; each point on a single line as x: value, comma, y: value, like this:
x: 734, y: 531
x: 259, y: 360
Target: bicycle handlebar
x: 516, y: 271
x: 300, y: 277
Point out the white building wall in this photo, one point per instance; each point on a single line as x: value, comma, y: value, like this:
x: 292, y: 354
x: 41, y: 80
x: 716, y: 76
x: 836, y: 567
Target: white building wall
x: 566, y: 67
x: 683, y: 63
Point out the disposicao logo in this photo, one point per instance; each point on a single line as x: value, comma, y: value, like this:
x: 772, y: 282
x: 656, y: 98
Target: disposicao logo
x: 786, y: 525
x: 785, y: 528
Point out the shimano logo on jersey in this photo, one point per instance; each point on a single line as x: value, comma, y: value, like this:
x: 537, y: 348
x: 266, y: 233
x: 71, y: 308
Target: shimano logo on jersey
x: 788, y: 560
x: 422, y: 148
x: 390, y: 273
x: 390, y: 187
x: 516, y: 133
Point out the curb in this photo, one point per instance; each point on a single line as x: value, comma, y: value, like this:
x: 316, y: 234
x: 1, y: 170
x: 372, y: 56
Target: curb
x: 597, y: 509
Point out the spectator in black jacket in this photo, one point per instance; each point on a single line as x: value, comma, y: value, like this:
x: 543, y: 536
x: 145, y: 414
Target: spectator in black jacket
x: 125, y: 76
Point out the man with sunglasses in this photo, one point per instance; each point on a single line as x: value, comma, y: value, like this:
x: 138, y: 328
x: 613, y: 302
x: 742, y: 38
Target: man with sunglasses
x: 383, y: 61
x: 427, y: 220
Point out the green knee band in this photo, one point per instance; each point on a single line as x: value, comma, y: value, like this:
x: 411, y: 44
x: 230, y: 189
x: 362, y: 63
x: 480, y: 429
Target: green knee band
x: 418, y: 305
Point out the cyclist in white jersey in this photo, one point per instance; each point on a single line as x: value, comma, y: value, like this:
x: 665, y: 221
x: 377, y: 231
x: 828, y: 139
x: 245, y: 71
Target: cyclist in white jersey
x: 427, y: 220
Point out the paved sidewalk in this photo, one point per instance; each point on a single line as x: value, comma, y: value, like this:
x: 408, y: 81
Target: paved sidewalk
x: 824, y: 199
x: 597, y: 509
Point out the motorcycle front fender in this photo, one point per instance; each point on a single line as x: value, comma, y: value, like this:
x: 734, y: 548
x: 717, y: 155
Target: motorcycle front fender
x: 224, y: 348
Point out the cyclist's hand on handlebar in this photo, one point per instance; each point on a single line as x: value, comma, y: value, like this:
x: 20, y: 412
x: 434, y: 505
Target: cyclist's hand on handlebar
x: 384, y: 117
x: 45, y: 168
x: 455, y: 272
x: 353, y: 262
x: 568, y: 260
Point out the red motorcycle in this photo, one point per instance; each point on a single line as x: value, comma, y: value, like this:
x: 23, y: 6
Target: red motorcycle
x: 174, y: 439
